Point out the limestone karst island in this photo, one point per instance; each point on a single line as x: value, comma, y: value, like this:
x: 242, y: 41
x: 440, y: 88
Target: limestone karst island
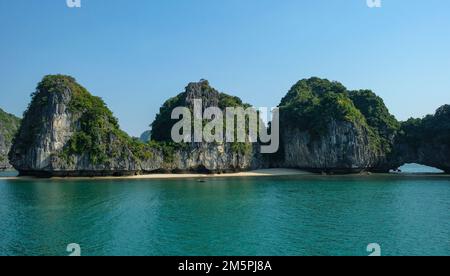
x: 217, y: 134
x: 324, y: 128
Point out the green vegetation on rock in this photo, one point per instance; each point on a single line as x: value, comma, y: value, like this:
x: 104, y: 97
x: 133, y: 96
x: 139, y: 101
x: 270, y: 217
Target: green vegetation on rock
x: 167, y: 148
x: 226, y: 100
x: 96, y: 132
x: 432, y: 129
x: 313, y: 103
x: 66, y: 131
x: 377, y: 115
x: 96, y: 123
x: 162, y: 125
x: 425, y: 141
x: 9, y: 124
x: 99, y: 133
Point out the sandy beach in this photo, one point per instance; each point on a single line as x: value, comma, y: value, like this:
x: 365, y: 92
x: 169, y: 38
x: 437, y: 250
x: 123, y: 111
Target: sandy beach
x: 255, y: 173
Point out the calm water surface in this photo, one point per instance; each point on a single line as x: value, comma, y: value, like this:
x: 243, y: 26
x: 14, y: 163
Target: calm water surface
x: 307, y: 215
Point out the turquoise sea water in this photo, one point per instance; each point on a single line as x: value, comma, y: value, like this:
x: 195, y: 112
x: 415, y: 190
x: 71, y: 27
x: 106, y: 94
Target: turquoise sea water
x: 303, y: 215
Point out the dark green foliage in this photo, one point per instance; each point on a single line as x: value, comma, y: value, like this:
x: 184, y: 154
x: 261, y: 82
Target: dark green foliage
x: 162, y: 125
x: 410, y: 132
x: 97, y: 132
x: 309, y: 89
x: 96, y: 123
x: 432, y: 129
x: 312, y: 103
x: 226, y: 100
x: 9, y: 124
x: 377, y: 115
x: 140, y: 150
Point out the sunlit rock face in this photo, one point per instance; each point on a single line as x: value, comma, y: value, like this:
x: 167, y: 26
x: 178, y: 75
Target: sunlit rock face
x: 342, y: 148
x: 68, y: 132
x: 217, y: 157
x: 324, y: 127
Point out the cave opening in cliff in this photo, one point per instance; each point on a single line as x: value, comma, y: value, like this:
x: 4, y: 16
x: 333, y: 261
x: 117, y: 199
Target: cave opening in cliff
x: 415, y: 168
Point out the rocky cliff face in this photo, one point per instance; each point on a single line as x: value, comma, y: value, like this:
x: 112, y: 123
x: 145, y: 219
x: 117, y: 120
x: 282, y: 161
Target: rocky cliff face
x: 326, y: 128
x: 211, y: 158
x: 323, y: 128
x: 342, y: 148
x: 428, y: 154
x: 68, y: 132
x: 204, y: 157
x: 424, y: 141
x: 9, y: 124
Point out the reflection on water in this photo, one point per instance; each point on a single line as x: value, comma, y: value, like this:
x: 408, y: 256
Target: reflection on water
x: 8, y: 173
x: 308, y: 215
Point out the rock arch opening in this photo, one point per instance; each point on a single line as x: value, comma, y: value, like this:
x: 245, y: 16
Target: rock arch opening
x: 416, y: 168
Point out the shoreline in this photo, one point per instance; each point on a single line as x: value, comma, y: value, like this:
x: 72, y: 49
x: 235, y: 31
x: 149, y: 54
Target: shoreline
x: 255, y: 173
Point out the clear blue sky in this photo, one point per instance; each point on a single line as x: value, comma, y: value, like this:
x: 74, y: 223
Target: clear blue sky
x: 135, y: 54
